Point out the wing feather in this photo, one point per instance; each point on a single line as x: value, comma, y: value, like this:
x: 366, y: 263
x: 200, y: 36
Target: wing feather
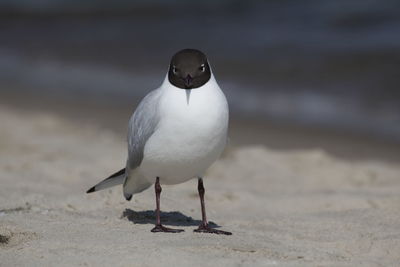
x: 142, y: 125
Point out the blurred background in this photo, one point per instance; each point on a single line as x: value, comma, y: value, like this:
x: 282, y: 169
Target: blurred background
x: 296, y: 73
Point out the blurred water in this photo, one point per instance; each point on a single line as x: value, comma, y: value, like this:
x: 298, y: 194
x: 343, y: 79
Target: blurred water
x: 326, y: 63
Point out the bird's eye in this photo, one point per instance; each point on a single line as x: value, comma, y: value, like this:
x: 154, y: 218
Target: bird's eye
x: 202, y: 68
x: 174, y: 69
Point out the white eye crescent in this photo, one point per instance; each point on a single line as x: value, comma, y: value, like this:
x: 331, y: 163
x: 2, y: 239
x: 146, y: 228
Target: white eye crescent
x: 174, y: 69
x: 202, y: 68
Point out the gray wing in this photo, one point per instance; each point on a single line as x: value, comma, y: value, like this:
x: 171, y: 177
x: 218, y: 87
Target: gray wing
x: 141, y: 126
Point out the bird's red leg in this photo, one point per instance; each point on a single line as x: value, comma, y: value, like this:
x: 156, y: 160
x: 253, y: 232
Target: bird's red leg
x: 159, y: 227
x: 204, y: 227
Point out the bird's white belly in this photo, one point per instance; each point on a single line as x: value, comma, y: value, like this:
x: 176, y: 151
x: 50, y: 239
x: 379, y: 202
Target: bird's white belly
x: 187, y: 141
x: 176, y: 161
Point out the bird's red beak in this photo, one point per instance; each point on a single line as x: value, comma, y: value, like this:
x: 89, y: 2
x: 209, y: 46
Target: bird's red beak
x: 188, y: 81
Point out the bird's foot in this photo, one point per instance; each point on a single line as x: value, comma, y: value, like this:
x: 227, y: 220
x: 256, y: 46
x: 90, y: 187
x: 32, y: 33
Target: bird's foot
x: 160, y: 228
x: 205, y: 228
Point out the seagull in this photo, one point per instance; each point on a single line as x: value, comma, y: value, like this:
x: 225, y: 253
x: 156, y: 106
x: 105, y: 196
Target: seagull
x: 177, y: 131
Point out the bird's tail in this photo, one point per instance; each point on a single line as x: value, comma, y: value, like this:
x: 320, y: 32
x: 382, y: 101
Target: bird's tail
x: 115, y: 179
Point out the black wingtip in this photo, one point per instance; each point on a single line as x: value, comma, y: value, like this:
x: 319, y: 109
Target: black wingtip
x: 91, y: 190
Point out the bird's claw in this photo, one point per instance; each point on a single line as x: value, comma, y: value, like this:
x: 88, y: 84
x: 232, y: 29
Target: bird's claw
x: 159, y: 228
x: 207, y: 229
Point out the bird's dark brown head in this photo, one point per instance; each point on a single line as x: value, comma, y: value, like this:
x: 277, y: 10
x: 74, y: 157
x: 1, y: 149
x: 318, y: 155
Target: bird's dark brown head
x: 189, y: 69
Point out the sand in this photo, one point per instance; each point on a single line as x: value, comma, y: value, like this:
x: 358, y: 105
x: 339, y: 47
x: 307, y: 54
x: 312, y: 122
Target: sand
x: 300, y: 207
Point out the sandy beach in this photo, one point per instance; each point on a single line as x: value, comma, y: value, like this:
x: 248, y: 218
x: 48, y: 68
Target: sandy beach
x: 311, y: 174
x: 299, y: 207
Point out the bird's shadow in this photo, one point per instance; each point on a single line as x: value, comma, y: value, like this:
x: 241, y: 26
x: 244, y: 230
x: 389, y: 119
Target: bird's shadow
x: 173, y: 218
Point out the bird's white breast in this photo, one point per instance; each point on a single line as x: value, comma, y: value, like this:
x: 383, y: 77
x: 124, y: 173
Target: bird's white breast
x: 190, y: 136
